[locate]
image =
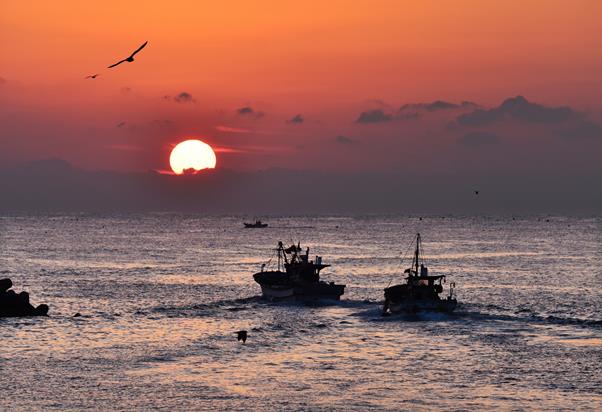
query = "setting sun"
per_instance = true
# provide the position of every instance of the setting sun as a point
(192, 154)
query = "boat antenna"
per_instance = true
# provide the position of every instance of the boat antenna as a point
(403, 255)
(417, 251)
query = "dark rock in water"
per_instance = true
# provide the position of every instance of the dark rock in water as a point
(77, 315)
(16, 305)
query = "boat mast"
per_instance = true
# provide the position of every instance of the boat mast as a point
(417, 252)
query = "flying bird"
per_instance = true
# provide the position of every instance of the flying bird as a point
(93, 76)
(476, 192)
(241, 335)
(129, 59)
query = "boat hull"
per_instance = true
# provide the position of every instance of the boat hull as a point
(278, 286)
(411, 306)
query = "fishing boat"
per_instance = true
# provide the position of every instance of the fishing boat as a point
(420, 291)
(257, 224)
(296, 277)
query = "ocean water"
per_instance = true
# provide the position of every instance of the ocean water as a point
(161, 295)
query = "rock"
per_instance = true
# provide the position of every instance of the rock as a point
(16, 305)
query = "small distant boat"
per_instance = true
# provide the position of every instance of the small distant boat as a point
(257, 224)
(420, 292)
(296, 277)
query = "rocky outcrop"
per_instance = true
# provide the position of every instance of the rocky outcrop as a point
(14, 304)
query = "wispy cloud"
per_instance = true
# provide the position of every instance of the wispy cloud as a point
(218, 149)
(374, 116)
(249, 112)
(228, 129)
(344, 140)
(438, 105)
(182, 97)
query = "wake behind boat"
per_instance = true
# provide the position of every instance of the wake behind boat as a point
(296, 277)
(420, 292)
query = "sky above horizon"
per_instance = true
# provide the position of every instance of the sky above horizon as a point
(338, 85)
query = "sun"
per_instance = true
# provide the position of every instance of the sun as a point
(191, 155)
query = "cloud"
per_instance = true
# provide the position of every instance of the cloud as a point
(229, 129)
(184, 97)
(344, 140)
(374, 116)
(298, 119)
(437, 105)
(583, 130)
(410, 111)
(478, 139)
(517, 108)
(249, 111)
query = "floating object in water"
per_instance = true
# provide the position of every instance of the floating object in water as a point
(17, 305)
(241, 335)
(420, 292)
(296, 277)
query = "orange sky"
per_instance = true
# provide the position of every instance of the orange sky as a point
(322, 59)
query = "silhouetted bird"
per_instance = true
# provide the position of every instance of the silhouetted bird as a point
(241, 335)
(129, 59)
(93, 76)
(476, 192)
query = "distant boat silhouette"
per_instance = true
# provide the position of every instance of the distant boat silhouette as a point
(130, 58)
(93, 76)
(256, 225)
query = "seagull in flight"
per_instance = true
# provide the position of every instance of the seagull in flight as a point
(129, 59)
(93, 76)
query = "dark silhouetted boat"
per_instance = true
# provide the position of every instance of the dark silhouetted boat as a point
(420, 292)
(256, 225)
(296, 277)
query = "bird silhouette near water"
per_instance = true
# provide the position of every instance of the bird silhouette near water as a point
(241, 335)
(130, 58)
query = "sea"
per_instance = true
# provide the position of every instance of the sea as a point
(144, 310)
